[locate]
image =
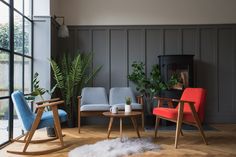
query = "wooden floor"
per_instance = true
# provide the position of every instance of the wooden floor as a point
(222, 142)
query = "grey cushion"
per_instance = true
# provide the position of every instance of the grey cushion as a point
(95, 107)
(94, 95)
(135, 106)
(117, 95)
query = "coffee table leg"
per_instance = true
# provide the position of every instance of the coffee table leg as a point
(135, 125)
(109, 127)
(121, 129)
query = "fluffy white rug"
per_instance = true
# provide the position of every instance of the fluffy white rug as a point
(115, 148)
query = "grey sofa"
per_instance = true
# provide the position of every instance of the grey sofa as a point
(93, 101)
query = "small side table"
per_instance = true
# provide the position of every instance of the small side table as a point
(121, 114)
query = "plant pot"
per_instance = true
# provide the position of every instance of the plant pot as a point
(149, 105)
(70, 123)
(51, 132)
(128, 108)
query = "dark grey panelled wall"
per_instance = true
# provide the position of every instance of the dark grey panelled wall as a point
(116, 47)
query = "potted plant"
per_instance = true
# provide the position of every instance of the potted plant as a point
(128, 107)
(149, 86)
(39, 91)
(71, 75)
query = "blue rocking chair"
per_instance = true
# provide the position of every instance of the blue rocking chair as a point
(31, 121)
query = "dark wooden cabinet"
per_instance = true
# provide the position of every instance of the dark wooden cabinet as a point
(180, 65)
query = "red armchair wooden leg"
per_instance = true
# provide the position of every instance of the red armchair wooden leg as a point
(198, 122)
(157, 125)
(179, 123)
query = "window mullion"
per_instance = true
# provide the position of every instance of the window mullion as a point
(11, 110)
(23, 64)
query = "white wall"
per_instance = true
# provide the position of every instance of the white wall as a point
(147, 12)
(42, 42)
(41, 7)
(42, 50)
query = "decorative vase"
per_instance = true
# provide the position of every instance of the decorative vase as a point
(128, 108)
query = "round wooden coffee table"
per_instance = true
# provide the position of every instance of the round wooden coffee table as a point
(121, 114)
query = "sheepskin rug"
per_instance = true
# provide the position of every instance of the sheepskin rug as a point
(115, 148)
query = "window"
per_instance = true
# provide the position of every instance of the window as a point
(15, 61)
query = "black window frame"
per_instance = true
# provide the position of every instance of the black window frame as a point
(11, 54)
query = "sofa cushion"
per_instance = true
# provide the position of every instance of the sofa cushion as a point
(95, 107)
(135, 106)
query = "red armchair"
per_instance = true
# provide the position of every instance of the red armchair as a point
(190, 110)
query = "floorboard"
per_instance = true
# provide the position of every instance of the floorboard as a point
(222, 142)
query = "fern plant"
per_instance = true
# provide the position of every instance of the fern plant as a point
(71, 75)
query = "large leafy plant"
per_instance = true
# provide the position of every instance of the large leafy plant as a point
(152, 85)
(71, 75)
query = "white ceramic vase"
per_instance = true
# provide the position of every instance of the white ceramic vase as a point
(128, 108)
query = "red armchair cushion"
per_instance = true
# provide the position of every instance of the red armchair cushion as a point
(172, 113)
(197, 95)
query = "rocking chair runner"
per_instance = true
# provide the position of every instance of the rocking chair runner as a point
(32, 122)
(190, 111)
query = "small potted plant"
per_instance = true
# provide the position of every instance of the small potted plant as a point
(128, 107)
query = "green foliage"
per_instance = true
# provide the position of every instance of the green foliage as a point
(72, 75)
(152, 85)
(128, 100)
(4, 36)
(18, 38)
(38, 91)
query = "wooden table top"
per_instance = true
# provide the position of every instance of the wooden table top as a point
(122, 114)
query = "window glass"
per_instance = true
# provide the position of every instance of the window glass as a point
(27, 75)
(18, 33)
(4, 120)
(17, 127)
(28, 37)
(18, 5)
(18, 72)
(4, 73)
(27, 8)
(4, 26)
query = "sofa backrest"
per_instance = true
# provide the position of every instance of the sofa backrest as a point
(94, 95)
(118, 94)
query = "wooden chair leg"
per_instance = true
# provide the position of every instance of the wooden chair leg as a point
(26, 136)
(143, 120)
(79, 119)
(33, 128)
(181, 132)
(55, 131)
(121, 130)
(157, 125)
(57, 124)
(179, 123)
(198, 122)
(135, 125)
